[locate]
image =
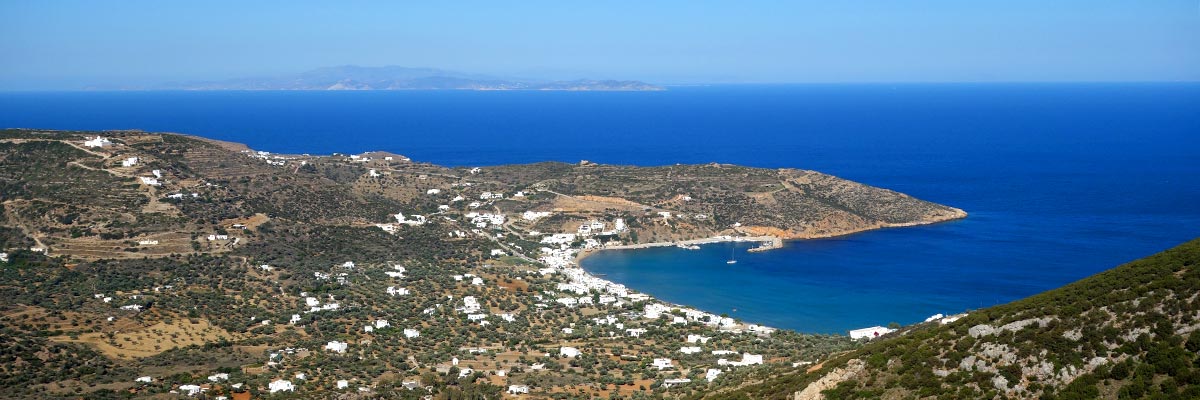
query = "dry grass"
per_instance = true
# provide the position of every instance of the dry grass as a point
(150, 340)
(594, 204)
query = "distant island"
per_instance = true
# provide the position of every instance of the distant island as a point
(351, 77)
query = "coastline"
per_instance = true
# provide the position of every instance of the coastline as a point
(768, 242)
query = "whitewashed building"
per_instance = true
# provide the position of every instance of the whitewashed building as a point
(281, 385)
(870, 333)
(336, 346)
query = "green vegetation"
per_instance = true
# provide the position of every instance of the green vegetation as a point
(1130, 332)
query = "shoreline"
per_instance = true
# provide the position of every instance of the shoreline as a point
(769, 242)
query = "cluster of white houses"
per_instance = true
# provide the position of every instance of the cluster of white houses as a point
(270, 159)
(98, 141)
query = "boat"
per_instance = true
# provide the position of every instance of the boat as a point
(732, 260)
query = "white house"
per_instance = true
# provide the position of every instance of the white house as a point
(711, 374)
(689, 349)
(433, 191)
(342, 384)
(518, 389)
(281, 385)
(569, 351)
(411, 333)
(677, 381)
(870, 333)
(534, 215)
(336, 346)
(470, 305)
(416, 219)
(150, 181)
(129, 162)
(190, 390)
(559, 238)
(697, 338)
(144, 379)
(98, 141)
(662, 363)
(747, 359)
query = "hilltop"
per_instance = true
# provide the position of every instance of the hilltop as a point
(147, 263)
(1129, 332)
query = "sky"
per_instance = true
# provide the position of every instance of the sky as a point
(72, 44)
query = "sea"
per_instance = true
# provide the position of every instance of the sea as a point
(1061, 180)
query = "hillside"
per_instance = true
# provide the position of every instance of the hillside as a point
(144, 264)
(1129, 332)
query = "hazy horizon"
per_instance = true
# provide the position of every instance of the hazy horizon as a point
(75, 45)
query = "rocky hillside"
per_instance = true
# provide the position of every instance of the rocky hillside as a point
(81, 201)
(1130, 332)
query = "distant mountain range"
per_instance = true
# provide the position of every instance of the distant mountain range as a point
(351, 77)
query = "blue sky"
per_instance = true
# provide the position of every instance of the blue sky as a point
(65, 44)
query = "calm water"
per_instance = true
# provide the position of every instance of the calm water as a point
(1061, 181)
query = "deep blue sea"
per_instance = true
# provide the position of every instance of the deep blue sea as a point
(1061, 180)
